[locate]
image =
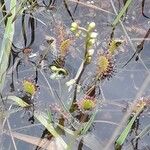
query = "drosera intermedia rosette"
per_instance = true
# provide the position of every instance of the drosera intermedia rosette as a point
(86, 104)
(61, 48)
(29, 87)
(105, 66)
(85, 108)
(106, 60)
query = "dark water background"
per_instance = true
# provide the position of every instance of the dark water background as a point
(121, 89)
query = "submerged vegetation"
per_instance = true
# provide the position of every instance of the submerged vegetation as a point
(68, 79)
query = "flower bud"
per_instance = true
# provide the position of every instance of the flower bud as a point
(78, 33)
(93, 35)
(53, 68)
(90, 52)
(74, 27)
(91, 41)
(91, 26)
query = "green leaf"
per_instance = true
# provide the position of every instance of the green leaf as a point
(137, 109)
(43, 119)
(66, 129)
(49, 115)
(121, 13)
(119, 142)
(89, 123)
(18, 100)
(6, 44)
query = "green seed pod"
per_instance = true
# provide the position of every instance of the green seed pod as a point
(88, 59)
(78, 33)
(90, 43)
(91, 26)
(74, 27)
(73, 30)
(89, 55)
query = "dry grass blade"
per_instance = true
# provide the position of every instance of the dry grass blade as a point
(12, 138)
(18, 100)
(91, 6)
(144, 132)
(44, 143)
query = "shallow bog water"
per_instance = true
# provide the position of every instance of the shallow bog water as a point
(113, 95)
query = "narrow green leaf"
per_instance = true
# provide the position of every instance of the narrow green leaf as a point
(124, 134)
(6, 44)
(41, 117)
(18, 100)
(138, 108)
(49, 115)
(121, 13)
(89, 123)
(66, 129)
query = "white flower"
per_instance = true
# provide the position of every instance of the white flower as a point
(93, 35)
(71, 82)
(90, 52)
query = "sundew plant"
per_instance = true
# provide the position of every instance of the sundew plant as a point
(74, 75)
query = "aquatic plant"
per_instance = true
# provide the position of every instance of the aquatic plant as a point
(29, 87)
(86, 104)
(7, 43)
(81, 109)
(90, 39)
(137, 109)
(105, 66)
(113, 46)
